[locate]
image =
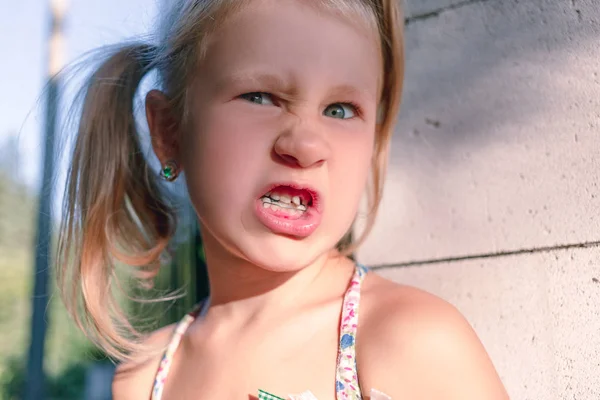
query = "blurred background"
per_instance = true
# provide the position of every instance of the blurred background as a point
(492, 199)
(37, 37)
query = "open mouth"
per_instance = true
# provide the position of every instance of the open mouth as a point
(288, 201)
(290, 210)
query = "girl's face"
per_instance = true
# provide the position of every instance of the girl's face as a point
(283, 120)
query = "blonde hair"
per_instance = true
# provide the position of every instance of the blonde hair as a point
(114, 211)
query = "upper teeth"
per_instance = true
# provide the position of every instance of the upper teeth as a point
(292, 202)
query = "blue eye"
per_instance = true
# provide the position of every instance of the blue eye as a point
(341, 111)
(258, 98)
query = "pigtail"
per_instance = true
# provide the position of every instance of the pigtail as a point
(113, 212)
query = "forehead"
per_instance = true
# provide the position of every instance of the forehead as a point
(295, 38)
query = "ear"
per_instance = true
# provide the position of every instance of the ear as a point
(164, 127)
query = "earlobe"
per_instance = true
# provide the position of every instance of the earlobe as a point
(163, 126)
(170, 171)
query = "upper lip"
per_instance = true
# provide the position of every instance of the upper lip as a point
(314, 193)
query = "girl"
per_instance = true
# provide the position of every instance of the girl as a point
(278, 111)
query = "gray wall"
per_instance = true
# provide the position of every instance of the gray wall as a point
(493, 194)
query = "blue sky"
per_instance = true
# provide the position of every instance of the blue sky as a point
(24, 26)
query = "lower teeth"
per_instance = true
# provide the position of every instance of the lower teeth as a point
(287, 210)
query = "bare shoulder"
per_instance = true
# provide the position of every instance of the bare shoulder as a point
(133, 379)
(413, 344)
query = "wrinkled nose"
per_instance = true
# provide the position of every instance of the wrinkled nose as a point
(301, 146)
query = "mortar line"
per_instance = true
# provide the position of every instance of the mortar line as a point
(484, 256)
(436, 13)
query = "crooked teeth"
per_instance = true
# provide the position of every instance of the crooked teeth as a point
(277, 202)
(286, 199)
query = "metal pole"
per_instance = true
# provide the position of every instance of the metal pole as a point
(34, 383)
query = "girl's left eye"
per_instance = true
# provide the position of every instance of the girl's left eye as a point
(259, 98)
(341, 111)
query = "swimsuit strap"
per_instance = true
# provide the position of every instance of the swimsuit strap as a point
(167, 359)
(346, 383)
(346, 380)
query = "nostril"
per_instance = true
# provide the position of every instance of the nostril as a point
(289, 159)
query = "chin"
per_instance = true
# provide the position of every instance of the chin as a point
(283, 254)
(271, 251)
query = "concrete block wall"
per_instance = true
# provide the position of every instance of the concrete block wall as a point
(493, 194)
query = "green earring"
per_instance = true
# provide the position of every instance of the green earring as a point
(169, 172)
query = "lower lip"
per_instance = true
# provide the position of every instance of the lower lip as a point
(280, 223)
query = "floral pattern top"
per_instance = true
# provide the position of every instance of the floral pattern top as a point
(346, 384)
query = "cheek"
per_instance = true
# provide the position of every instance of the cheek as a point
(223, 158)
(350, 172)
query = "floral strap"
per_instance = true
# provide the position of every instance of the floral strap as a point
(346, 383)
(165, 363)
(347, 387)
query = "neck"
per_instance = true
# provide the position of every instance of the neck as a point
(240, 288)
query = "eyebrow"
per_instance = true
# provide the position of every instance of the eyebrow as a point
(350, 91)
(263, 80)
(271, 81)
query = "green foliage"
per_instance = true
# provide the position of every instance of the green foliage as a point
(67, 385)
(65, 348)
(17, 203)
(68, 353)
(12, 380)
(16, 238)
